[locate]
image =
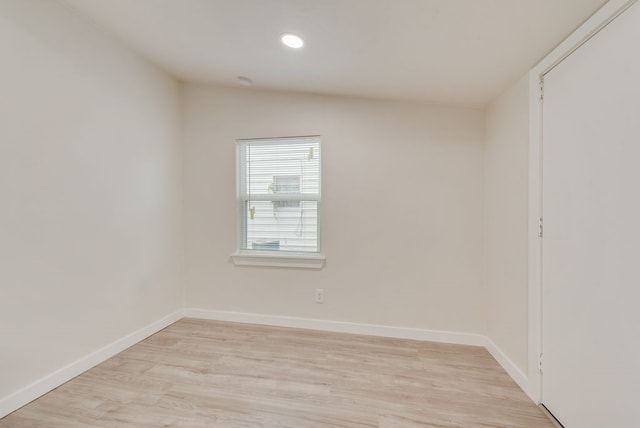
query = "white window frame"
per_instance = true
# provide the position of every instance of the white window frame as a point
(283, 259)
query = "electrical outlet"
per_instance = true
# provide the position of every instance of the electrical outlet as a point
(319, 295)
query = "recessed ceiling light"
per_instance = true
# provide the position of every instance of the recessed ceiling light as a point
(292, 40)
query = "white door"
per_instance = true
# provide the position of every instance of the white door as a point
(591, 242)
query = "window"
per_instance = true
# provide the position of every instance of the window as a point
(279, 201)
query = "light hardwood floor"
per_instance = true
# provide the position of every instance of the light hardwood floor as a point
(199, 373)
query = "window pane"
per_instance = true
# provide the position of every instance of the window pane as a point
(281, 225)
(281, 167)
(279, 193)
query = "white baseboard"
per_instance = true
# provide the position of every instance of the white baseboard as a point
(31, 392)
(509, 366)
(40, 387)
(372, 330)
(340, 327)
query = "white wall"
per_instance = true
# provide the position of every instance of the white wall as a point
(91, 176)
(402, 211)
(507, 160)
(90, 239)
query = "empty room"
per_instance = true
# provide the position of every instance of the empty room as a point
(319, 213)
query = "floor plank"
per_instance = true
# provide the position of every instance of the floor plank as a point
(198, 373)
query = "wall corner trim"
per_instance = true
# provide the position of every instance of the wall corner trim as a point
(339, 326)
(40, 387)
(518, 376)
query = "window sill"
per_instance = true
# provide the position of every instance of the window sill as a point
(277, 259)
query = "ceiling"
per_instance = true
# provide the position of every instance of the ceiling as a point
(462, 52)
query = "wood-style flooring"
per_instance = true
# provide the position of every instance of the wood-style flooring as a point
(199, 373)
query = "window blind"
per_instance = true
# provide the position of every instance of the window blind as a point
(279, 194)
